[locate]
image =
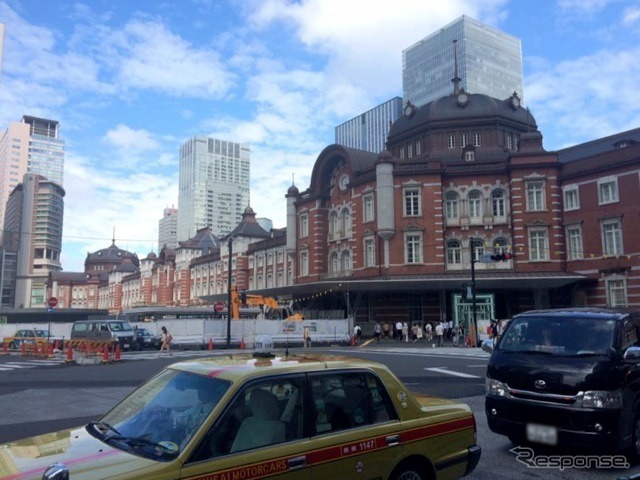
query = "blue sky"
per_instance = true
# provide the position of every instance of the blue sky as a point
(130, 81)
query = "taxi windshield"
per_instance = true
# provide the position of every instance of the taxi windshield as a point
(566, 336)
(159, 418)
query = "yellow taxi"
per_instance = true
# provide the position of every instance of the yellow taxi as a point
(28, 337)
(247, 417)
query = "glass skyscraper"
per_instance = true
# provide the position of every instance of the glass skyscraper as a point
(369, 130)
(213, 186)
(489, 62)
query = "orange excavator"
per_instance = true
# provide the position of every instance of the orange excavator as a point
(271, 308)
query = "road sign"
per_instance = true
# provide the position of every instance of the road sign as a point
(52, 302)
(485, 258)
(219, 307)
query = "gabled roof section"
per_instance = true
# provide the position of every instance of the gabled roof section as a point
(249, 226)
(601, 145)
(204, 240)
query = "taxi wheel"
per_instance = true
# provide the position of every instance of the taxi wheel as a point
(409, 471)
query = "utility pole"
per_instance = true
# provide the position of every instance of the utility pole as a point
(229, 306)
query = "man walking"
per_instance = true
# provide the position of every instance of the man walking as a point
(440, 334)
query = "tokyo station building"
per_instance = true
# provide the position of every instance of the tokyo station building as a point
(405, 234)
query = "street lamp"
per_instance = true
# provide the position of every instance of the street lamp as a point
(230, 244)
(472, 244)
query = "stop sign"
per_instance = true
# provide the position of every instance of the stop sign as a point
(219, 307)
(52, 302)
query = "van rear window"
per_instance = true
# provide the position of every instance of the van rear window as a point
(80, 327)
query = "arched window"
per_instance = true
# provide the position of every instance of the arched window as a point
(498, 203)
(346, 262)
(475, 204)
(500, 246)
(345, 222)
(454, 252)
(334, 227)
(334, 265)
(477, 248)
(451, 205)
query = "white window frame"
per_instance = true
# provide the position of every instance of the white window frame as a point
(345, 262)
(469, 156)
(451, 141)
(539, 244)
(345, 222)
(369, 252)
(401, 152)
(413, 248)
(334, 263)
(368, 210)
(452, 205)
(463, 139)
(498, 203)
(454, 252)
(611, 236)
(575, 248)
(608, 190)
(477, 139)
(474, 204)
(535, 195)
(418, 148)
(410, 150)
(304, 263)
(412, 201)
(304, 225)
(571, 197)
(334, 225)
(616, 287)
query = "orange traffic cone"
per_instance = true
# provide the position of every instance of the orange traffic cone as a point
(44, 350)
(117, 359)
(105, 354)
(5, 348)
(56, 345)
(23, 349)
(242, 345)
(353, 340)
(210, 343)
(69, 358)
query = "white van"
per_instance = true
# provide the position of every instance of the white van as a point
(105, 331)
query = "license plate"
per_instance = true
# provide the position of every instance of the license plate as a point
(542, 434)
(126, 345)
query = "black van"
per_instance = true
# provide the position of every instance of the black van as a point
(568, 377)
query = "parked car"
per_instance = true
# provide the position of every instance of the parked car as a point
(568, 377)
(28, 337)
(253, 417)
(146, 339)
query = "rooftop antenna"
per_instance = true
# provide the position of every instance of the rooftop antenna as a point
(113, 240)
(456, 79)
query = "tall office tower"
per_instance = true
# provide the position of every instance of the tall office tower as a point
(168, 229)
(32, 145)
(489, 62)
(33, 231)
(213, 186)
(369, 130)
(1, 47)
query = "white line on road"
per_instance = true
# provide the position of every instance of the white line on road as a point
(451, 372)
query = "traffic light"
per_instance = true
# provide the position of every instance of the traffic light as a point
(501, 257)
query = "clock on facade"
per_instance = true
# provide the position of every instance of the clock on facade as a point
(343, 182)
(462, 98)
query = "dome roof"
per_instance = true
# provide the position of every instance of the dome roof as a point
(293, 190)
(474, 106)
(112, 254)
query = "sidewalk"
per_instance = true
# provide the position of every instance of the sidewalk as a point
(423, 345)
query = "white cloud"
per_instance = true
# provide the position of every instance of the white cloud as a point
(129, 140)
(631, 16)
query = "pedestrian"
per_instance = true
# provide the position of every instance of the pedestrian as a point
(420, 334)
(307, 337)
(398, 331)
(414, 332)
(428, 330)
(385, 329)
(167, 338)
(405, 332)
(377, 331)
(357, 333)
(440, 334)
(458, 335)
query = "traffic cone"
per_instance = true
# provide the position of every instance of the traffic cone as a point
(210, 343)
(5, 348)
(105, 354)
(242, 345)
(23, 349)
(43, 350)
(51, 349)
(117, 359)
(69, 358)
(57, 345)
(353, 340)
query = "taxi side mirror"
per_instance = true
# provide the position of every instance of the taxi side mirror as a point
(632, 353)
(56, 471)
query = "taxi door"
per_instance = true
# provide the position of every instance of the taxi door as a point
(357, 429)
(260, 434)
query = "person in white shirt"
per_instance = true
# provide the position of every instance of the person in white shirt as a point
(440, 334)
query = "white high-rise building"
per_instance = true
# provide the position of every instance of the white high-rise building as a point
(368, 131)
(489, 62)
(213, 187)
(32, 145)
(168, 229)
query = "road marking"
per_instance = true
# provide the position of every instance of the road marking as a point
(451, 372)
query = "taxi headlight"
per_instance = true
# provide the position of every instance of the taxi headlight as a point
(496, 388)
(602, 399)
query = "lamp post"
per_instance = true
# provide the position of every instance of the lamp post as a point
(474, 318)
(230, 244)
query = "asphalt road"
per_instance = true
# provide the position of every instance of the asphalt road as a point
(40, 397)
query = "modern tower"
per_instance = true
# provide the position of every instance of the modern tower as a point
(489, 62)
(369, 130)
(168, 229)
(32, 145)
(213, 186)
(33, 232)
